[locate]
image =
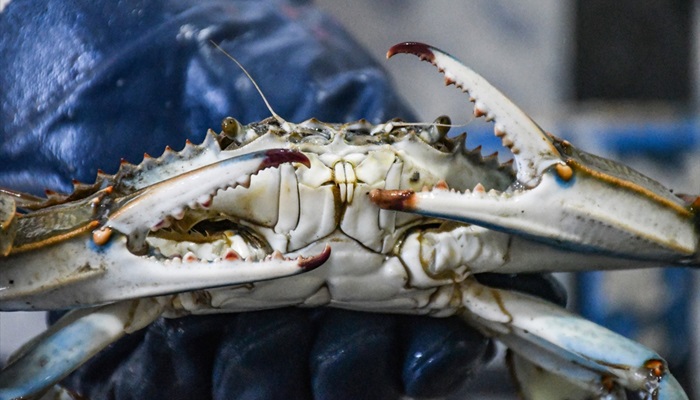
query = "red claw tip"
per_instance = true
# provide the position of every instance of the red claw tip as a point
(309, 263)
(276, 157)
(398, 200)
(422, 50)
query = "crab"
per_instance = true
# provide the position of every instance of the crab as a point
(396, 217)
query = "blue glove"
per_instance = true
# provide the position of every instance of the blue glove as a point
(84, 86)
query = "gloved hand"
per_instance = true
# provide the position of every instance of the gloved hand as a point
(84, 85)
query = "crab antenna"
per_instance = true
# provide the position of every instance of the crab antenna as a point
(279, 119)
(429, 124)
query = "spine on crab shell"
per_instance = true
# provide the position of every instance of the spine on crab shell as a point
(490, 162)
(459, 144)
(132, 177)
(151, 170)
(491, 170)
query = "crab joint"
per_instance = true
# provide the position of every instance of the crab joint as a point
(608, 383)
(397, 200)
(656, 367)
(564, 171)
(101, 236)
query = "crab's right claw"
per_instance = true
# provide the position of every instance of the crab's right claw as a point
(562, 196)
(92, 265)
(151, 206)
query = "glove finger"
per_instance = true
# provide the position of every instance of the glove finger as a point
(171, 359)
(355, 357)
(174, 361)
(93, 379)
(441, 354)
(265, 356)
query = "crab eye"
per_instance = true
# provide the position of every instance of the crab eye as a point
(230, 127)
(437, 131)
(315, 132)
(317, 137)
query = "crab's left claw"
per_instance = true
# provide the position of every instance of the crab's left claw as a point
(562, 196)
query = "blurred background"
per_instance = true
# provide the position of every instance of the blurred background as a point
(619, 79)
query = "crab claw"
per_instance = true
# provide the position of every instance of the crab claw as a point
(111, 273)
(561, 196)
(92, 264)
(532, 148)
(149, 207)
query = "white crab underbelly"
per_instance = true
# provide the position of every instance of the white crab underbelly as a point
(353, 278)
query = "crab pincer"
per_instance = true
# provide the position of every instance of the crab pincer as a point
(556, 186)
(149, 208)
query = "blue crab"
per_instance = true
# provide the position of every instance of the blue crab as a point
(395, 217)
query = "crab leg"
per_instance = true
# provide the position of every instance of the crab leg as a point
(562, 196)
(589, 356)
(69, 343)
